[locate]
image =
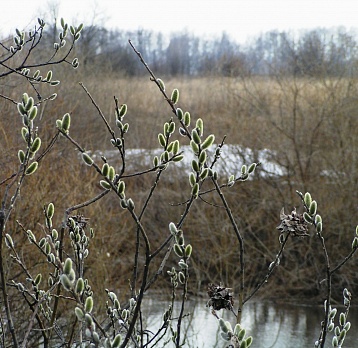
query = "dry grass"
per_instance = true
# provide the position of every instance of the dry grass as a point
(312, 125)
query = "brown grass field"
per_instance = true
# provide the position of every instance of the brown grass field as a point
(311, 127)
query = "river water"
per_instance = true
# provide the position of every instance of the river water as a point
(271, 325)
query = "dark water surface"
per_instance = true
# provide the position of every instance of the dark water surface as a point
(271, 325)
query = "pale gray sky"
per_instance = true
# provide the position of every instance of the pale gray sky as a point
(241, 19)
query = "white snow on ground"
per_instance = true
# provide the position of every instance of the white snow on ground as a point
(230, 162)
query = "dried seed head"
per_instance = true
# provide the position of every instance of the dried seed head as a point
(294, 223)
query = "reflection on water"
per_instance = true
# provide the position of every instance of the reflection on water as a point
(271, 325)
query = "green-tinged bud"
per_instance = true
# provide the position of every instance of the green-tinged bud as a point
(116, 304)
(80, 27)
(79, 314)
(252, 168)
(237, 329)
(313, 208)
(208, 142)
(31, 168)
(188, 250)
(241, 334)
(332, 313)
(215, 175)
(178, 158)
(175, 96)
(65, 281)
(38, 279)
(195, 190)
(335, 341)
(187, 119)
(62, 23)
(8, 240)
(173, 229)
(25, 98)
(202, 157)
(49, 76)
(117, 341)
(161, 139)
(123, 110)
(125, 313)
(179, 113)
(80, 286)
(223, 326)
(121, 187)
(155, 161)
(77, 36)
(178, 250)
(204, 173)
(54, 83)
(54, 234)
(21, 156)
(67, 267)
(330, 327)
(194, 146)
(33, 113)
(307, 217)
(59, 124)
(87, 159)
(181, 277)
(31, 236)
(88, 319)
(170, 146)
(195, 136)
(199, 126)
(96, 338)
(164, 156)
(337, 331)
(130, 203)
(357, 230)
(42, 242)
(195, 166)
(171, 127)
(125, 128)
(192, 179)
(342, 336)
(36, 74)
(355, 243)
(104, 184)
(347, 326)
(25, 134)
(66, 122)
(123, 203)
(243, 169)
(72, 275)
(21, 109)
(319, 227)
(35, 146)
(105, 169)
(75, 62)
(248, 341)
(29, 104)
(308, 199)
(50, 210)
(161, 84)
(89, 304)
(318, 219)
(243, 344)
(179, 238)
(72, 30)
(342, 319)
(176, 147)
(166, 128)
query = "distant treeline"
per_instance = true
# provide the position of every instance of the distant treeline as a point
(319, 52)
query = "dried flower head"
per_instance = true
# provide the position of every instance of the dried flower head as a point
(294, 223)
(220, 297)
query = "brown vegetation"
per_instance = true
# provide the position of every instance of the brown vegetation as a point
(309, 125)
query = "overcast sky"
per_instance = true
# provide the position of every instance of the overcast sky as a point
(241, 19)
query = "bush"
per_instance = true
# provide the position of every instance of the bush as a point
(51, 285)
